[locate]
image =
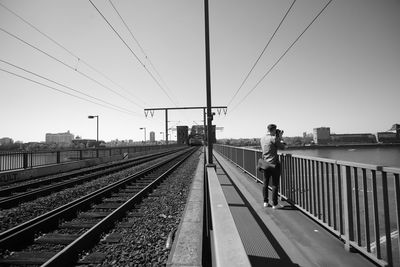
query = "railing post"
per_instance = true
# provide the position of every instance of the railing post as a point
(58, 157)
(282, 180)
(348, 208)
(287, 174)
(25, 160)
(80, 154)
(386, 213)
(255, 165)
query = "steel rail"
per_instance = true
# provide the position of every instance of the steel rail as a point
(23, 234)
(70, 254)
(19, 188)
(59, 184)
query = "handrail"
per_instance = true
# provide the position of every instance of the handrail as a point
(19, 160)
(359, 203)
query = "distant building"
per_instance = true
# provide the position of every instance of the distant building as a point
(60, 138)
(197, 130)
(322, 135)
(390, 136)
(6, 141)
(182, 134)
(85, 143)
(396, 128)
(152, 136)
(353, 138)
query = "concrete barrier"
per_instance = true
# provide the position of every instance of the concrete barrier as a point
(187, 247)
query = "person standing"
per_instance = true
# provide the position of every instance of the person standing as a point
(270, 143)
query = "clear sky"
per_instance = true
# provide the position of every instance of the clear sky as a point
(343, 72)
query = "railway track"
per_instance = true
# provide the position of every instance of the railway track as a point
(14, 195)
(61, 236)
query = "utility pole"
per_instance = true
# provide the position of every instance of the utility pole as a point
(208, 84)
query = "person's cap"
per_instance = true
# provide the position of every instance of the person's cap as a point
(271, 127)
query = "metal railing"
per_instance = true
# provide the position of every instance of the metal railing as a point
(25, 160)
(359, 203)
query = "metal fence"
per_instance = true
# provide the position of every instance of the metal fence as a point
(25, 160)
(359, 203)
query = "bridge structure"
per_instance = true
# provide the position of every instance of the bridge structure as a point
(204, 108)
(331, 213)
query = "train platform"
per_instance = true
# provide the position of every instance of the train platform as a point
(278, 237)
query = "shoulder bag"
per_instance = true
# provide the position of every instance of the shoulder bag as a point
(262, 165)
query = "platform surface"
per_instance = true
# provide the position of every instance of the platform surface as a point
(283, 236)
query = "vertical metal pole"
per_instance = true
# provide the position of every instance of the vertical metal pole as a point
(25, 160)
(166, 126)
(385, 194)
(97, 130)
(348, 208)
(208, 85)
(205, 124)
(97, 148)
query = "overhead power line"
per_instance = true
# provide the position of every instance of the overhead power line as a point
(66, 65)
(68, 87)
(144, 53)
(70, 52)
(140, 46)
(133, 53)
(58, 90)
(280, 58)
(262, 52)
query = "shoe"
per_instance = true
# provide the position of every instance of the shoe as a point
(275, 207)
(265, 204)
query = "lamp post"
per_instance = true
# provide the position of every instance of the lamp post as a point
(97, 117)
(144, 128)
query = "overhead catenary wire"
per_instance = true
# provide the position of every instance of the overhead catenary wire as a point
(133, 53)
(142, 50)
(61, 91)
(65, 64)
(71, 53)
(262, 52)
(280, 58)
(139, 45)
(67, 87)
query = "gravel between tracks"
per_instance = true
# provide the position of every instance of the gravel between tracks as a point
(144, 244)
(51, 176)
(29, 210)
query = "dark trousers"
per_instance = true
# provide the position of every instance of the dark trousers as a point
(275, 173)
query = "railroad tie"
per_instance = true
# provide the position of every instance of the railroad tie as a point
(93, 215)
(63, 239)
(27, 258)
(93, 258)
(78, 225)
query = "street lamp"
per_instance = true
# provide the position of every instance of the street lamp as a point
(97, 117)
(144, 128)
